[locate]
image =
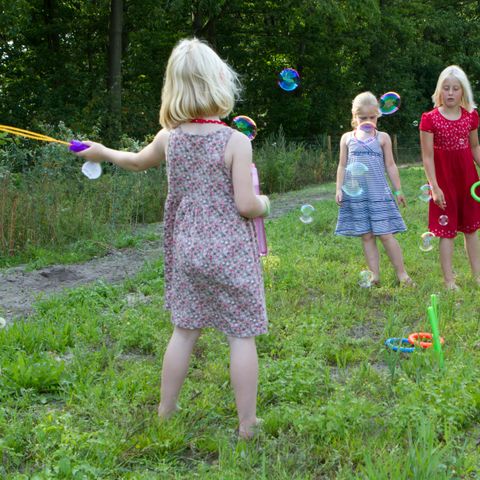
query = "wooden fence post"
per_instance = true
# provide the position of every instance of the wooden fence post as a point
(395, 147)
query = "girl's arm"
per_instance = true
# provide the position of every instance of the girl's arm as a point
(391, 167)
(342, 163)
(150, 156)
(426, 142)
(248, 204)
(474, 145)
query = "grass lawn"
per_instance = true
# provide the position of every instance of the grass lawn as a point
(79, 380)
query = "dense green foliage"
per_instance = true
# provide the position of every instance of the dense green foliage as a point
(79, 380)
(53, 58)
(50, 204)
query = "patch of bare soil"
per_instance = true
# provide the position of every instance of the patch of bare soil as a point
(20, 288)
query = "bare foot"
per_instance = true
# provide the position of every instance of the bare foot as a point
(247, 432)
(452, 286)
(166, 413)
(406, 282)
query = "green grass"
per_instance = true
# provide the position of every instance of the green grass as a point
(79, 381)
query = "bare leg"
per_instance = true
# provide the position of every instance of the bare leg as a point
(394, 252)
(472, 246)
(370, 251)
(446, 254)
(175, 367)
(244, 378)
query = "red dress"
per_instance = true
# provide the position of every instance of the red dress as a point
(455, 171)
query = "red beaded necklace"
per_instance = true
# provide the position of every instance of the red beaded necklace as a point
(205, 120)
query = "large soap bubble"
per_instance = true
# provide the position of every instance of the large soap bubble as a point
(389, 103)
(245, 125)
(288, 79)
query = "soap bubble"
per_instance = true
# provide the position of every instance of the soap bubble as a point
(415, 123)
(92, 170)
(288, 79)
(306, 211)
(426, 241)
(352, 188)
(443, 220)
(3, 322)
(357, 169)
(306, 219)
(389, 103)
(366, 279)
(426, 193)
(245, 125)
(388, 194)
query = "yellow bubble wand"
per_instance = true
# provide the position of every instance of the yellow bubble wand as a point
(74, 145)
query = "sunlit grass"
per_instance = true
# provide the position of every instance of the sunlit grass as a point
(79, 380)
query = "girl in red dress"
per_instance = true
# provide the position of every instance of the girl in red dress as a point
(450, 149)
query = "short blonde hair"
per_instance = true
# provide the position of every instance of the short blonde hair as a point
(362, 100)
(198, 83)
(456, 72)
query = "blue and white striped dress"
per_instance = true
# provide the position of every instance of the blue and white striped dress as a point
(368, 204)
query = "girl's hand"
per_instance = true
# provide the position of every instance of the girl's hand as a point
(401, 200)
(438, 198)
(266, 203)
(338, 198)
(94, 153)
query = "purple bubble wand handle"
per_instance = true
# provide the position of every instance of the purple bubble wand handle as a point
(77, 146)
(258, 222)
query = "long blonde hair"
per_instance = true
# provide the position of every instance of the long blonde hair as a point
(198, 83)
(364, 99)
(456, 72)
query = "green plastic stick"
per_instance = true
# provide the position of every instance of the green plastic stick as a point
(437, 346)
(434, 302)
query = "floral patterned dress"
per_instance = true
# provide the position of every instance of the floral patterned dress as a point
(213, 275)
(455, 171)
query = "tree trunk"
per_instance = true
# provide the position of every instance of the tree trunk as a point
(115, 70)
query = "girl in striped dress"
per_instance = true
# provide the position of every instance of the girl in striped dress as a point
(367, 205)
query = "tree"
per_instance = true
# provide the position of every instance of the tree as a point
(114, 83)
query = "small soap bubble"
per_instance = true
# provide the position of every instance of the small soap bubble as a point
(357, 169)
(366, 279)
(306, 219)
(288, 79)
(307, 209)
(352, 188)
(245, 125)
(426, 193)
(389, 103)
(92, 170)
(3, 322)
(415, 123)
(426, 241)
(443, 220)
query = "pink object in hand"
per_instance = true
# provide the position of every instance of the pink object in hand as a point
(258, 222)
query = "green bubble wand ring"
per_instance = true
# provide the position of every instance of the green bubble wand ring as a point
(473, 192)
